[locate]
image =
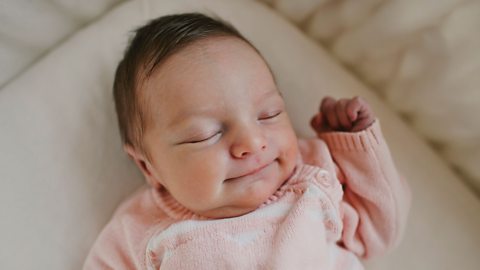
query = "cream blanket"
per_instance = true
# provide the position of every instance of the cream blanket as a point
(422, 57)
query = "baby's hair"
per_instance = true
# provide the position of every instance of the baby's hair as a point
(151, 45)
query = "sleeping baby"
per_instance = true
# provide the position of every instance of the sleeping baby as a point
(230, 186)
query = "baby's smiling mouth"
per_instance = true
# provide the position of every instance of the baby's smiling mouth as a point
(251, 173)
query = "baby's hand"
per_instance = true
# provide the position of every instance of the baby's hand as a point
(342, 115)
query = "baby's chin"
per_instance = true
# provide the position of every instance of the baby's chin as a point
(236, 208)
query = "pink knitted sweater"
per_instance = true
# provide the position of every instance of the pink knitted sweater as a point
(345, 201)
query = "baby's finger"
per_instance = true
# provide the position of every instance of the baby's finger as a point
(318, 123)
(328, 110)
(342, 116)
(315, 121)
(353, 108)
(362, 123)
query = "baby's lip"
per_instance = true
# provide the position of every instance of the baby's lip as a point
(250, 172)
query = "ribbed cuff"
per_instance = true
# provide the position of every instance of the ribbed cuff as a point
(368, 138)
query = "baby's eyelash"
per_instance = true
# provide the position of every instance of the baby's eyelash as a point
(271, 116)
(203, 140)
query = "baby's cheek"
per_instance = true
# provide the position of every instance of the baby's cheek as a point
(292, 143)
(289, 147)
(204, 177)
(197, 193)
(292, 156)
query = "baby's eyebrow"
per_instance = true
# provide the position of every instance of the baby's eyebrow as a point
(273, 91)
(181, 117)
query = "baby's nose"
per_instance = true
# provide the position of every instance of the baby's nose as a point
(248, 142)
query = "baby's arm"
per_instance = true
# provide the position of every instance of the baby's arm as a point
(376, 198)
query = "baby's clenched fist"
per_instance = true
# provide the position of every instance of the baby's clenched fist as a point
(345, 114)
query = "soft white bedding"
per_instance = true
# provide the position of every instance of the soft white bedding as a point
(63, 172)
(422, 57)
(30, 28)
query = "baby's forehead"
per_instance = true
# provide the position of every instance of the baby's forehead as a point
(213, 48)
(202, 73)
(197, 58)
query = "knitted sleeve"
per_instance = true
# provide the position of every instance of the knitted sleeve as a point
(376, 198)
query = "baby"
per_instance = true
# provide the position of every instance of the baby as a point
(230, 185)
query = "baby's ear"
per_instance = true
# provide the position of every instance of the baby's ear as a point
(131, 152)
(143, 164)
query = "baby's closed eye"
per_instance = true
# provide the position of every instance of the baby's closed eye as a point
(202, 137)
(270, 115)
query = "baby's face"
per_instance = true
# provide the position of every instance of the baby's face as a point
(220, 139)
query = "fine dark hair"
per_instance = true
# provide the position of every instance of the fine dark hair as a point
(151, 45)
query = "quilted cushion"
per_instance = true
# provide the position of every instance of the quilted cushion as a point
(420, 56)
